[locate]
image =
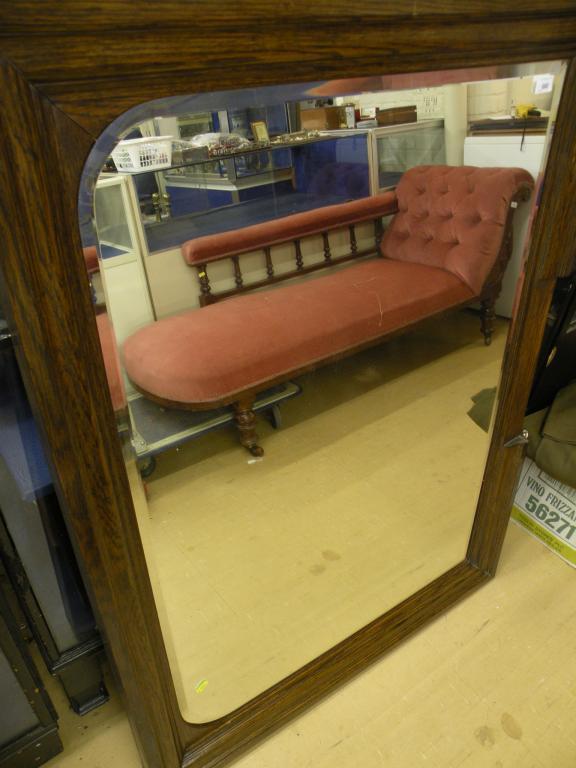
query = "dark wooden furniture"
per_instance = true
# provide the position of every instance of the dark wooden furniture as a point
(36, 552)
(557, 359)
(59, 619)
(28, 721)
(66, 74)
(447, 246)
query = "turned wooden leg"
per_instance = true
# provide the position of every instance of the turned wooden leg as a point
(246, 422)
(487, 315)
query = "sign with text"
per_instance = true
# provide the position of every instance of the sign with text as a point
(547, 509)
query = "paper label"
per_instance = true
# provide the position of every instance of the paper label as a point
(547, 509)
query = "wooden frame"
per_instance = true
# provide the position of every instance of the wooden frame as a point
(208, 296)
(65, 74)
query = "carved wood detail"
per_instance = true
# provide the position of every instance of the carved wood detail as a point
(269, 264)
(378, 234)
(209, 296)
(237, 272)
(353, 243)
(299, 258)
(205, 287)
(494, 281)
(246, 422)
(326, 248)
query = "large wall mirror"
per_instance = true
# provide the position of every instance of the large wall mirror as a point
(324, 274)
(277, 294)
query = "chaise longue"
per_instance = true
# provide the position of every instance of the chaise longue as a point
(446, 246)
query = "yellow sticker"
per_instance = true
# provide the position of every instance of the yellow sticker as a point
(200, 686)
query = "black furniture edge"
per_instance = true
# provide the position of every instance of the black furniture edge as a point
(35, 748)
(77, 668)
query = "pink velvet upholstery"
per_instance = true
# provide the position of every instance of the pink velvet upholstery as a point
(453, 218)
(439, 251)
(209, 354)
(111, 362)
(202, 250)
(107, 341)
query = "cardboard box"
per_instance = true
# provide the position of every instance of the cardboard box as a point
(397, 115)
(546, 508)
(322, 118)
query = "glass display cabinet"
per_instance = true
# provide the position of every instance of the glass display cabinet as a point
(28, 721)
(36, 552)
(398, 148)
(195, 188)
(143, 273)
(256, 185)
(121, 244)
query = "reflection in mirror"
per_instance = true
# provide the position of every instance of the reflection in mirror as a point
(301, 292)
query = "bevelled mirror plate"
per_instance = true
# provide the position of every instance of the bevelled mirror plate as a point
(303, 295)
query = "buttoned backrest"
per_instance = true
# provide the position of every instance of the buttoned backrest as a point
(453, 218)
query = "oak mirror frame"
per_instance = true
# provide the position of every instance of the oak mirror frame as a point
(66, 74)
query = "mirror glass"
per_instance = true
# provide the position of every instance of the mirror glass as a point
(303, 295)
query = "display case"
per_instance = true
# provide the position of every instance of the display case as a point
(205, 186)
(121, 243)
(199, 187)
(258, 184)
(395, 149)
(143, 270)
(28, 721)
(36, 553)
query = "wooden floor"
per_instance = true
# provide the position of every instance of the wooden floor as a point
(488, 685)
(364, 496)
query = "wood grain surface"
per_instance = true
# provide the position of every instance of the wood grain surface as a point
(551, 249)
(59, 355)
(69, 69)
(131, 51)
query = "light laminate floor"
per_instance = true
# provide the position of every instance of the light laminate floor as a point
(364, 496)
(490, 684)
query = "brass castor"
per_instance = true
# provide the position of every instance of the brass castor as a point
(256, 450)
